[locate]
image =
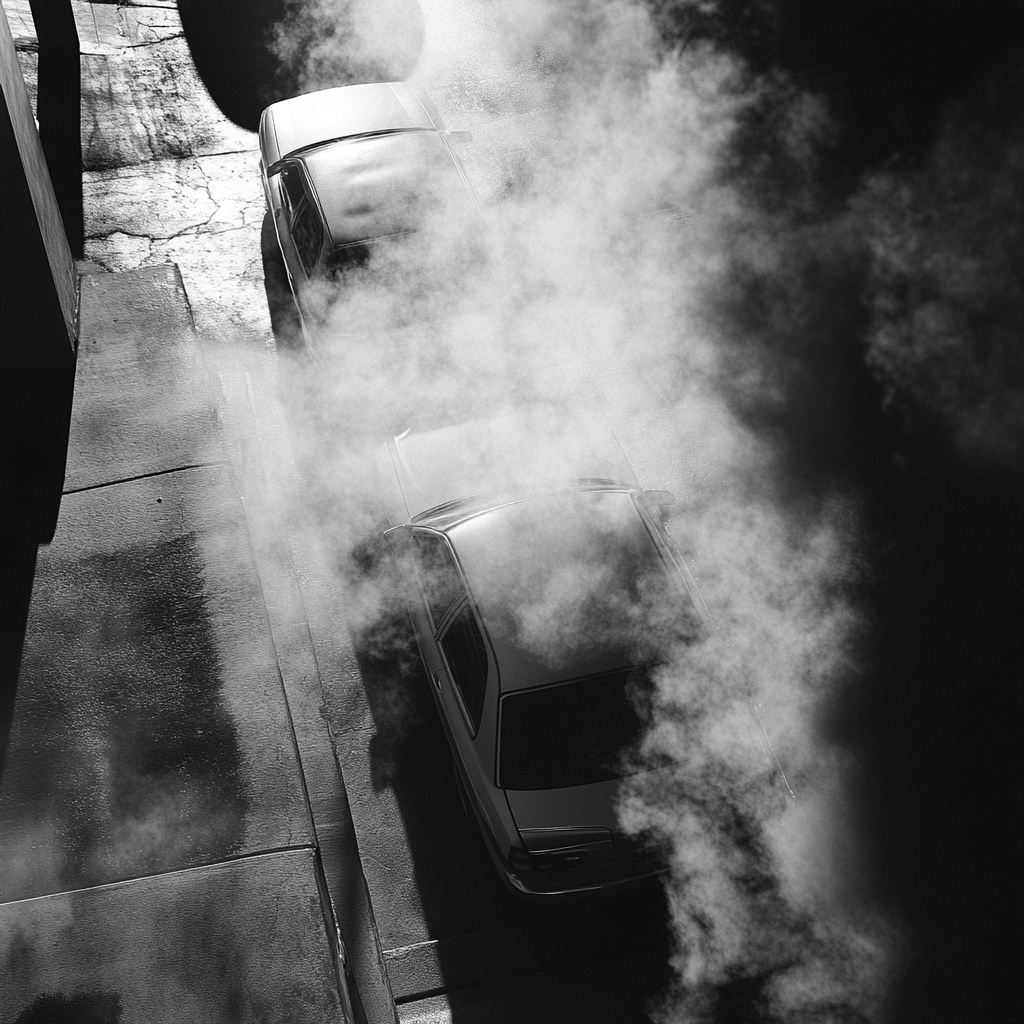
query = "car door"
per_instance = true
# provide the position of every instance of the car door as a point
(452, 644)
(439, 588)
(300, 229)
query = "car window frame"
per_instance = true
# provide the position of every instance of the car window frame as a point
(459, 608)
(289, 168)
(462, 602)
(307, 209)
(436, 536)
(302, 209)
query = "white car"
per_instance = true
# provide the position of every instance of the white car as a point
(344, 169)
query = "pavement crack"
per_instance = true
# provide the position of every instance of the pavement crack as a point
(153, 42)
(105, 236)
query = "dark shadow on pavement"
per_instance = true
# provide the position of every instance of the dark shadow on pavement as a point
(88, 1008)
(58, 111)
(230, 44)
(17, 571)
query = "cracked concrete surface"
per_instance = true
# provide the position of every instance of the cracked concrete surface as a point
(168, 179)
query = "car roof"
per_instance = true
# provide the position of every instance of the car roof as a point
(291, 125)
(508, 454)
(553, 578)
(381, 185)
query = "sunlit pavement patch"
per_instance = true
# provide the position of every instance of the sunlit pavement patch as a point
(245, 940)
(201, 214)
(168, 179)
(141, 400)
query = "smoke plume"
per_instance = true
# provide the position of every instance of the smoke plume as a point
(627, 262)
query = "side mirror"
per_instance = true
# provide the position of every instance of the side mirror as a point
(459, 138)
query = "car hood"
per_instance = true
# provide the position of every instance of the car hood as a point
(506, 455)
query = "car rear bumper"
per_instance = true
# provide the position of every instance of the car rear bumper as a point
(555, 886)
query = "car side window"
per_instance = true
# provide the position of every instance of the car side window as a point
(464, 649)
(438, 574)
(307, 235)
(291, 184)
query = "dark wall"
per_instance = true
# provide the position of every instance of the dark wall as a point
(58, 110)
(39, 318)
(39, 309)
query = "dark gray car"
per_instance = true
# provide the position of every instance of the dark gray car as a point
(537, 585)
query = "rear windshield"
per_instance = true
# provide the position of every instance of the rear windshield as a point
(574, 733)
(384, 184)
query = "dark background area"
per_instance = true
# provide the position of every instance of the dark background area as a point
(934, 714)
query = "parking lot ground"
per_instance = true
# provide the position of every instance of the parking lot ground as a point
(191, 685)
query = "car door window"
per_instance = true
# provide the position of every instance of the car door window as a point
(463, 647)
(291, 185)
(438, 574)
(307, 235)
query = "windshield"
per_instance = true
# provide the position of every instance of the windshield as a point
(573, 733)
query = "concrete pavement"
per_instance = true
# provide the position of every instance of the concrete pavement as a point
(169, 721)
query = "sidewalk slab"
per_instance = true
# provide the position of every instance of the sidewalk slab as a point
(246, 385)
(151, 730)
(241, 941)
(142, 404)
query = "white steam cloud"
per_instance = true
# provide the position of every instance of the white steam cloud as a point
(589, 285)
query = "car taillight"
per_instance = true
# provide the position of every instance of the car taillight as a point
(523, 861)
(520, 860)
